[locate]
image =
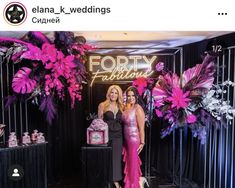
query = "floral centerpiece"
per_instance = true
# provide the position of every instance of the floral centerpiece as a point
(47, 69)
(190, 99)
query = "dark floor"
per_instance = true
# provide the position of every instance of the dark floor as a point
(154, 182)
(72, 183)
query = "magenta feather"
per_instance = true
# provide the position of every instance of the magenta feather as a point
(40, 36)
(48, 107)
(201, 76)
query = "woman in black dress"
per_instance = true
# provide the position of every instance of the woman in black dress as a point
(111, 112)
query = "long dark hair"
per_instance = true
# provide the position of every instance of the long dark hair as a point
(138, 98)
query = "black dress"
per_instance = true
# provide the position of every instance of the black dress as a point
(115, 136)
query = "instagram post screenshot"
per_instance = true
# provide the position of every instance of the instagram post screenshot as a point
(117, 94)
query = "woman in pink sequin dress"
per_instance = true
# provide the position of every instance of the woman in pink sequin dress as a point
(134, 119)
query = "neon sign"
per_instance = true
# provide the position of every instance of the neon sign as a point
(111, 68)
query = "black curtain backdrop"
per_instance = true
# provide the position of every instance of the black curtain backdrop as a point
(65, 138)
(67, 134)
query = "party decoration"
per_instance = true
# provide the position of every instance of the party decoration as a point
(97, 132)
(12, 141)
(141, 83)
(144, 87)
(191, 99)
(47, 69)
(159, 66)
(40, 138)
(26, 139)
(22, 83)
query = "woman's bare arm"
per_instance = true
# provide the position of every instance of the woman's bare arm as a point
(100, 110)
(140, 117)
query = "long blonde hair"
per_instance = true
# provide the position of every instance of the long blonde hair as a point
(119, 100)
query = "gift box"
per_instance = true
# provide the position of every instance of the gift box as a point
(40, 138)
(12, 141)
(26, 138)
(97, 132)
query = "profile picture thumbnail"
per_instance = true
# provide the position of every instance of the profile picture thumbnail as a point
(15, 13)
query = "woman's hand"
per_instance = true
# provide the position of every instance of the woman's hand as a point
(140, 148)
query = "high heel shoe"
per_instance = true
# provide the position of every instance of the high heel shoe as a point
(117, 185)
(143, 181)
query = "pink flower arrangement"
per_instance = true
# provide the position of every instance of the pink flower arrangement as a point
(189, 100)
(178, 98)
(98, 124)
(141, 84)
(52, 68)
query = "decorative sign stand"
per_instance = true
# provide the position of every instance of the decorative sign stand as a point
(111, 68)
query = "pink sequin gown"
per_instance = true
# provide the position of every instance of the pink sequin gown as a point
(131, 158)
